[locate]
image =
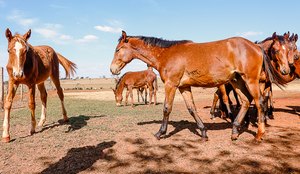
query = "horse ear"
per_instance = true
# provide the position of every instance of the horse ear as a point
(286, 35)
(124, 36)
(113, 90)
(8, 34)
(292, 37)
(274, 36)
(296, 37)
(27, 35)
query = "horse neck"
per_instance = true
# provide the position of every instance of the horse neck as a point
(149, 54)
(266, 45)
(120, 87)
(297, 68)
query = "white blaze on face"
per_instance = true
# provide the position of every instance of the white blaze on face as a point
(283, 47)
(18, 47)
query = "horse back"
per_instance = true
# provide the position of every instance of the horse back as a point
(47, 62)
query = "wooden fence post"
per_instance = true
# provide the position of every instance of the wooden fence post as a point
(1, 89)
(21, 90)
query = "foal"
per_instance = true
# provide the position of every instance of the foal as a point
(32, 65)
(132, 80)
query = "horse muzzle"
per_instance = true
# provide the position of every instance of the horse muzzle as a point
(114, 69)
(285, 71)
(18, 74)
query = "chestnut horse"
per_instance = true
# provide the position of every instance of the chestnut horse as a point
(271, 49)
(136, 80)
(32, 65)
(183, 64)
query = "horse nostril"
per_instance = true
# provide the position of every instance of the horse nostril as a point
(21, 74)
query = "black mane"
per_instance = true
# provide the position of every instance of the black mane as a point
(280, 38)
(158, 41)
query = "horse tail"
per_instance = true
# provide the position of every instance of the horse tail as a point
(68, 65)
(272, 74)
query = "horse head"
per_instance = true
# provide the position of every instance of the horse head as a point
(280, 52)
(17, 50)
(293, 47)
(124, 54)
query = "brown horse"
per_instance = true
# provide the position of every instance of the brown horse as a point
(183, 64)
(268, 45)
(32, 65)
(136, 80)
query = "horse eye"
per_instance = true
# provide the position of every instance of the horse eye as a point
(8, 50)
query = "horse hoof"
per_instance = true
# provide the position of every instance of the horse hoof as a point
(234, 137)
(6, 139)
(66, 120)
(31, 132)
(204, 139)
(41, 124)
(157, 136)
(257, 140)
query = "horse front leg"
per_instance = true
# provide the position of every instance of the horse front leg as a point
(271, 108)
(131, 95)
(213, 105)
(151, 92)
(189, 101)
(43, 93)
(168, 104)
(126, 97)
(31, 105)
(12, 88)
(259, 103)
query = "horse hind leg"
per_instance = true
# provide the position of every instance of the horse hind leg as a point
(43, 93)
(189, 101)
(242, 91)
(60, 93)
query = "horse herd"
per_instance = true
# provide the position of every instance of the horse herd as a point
(237, 64)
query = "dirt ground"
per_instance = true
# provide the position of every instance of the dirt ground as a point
(133, 149)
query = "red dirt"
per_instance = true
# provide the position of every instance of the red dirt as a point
(135, 150)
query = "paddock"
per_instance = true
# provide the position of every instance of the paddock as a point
(103, 138)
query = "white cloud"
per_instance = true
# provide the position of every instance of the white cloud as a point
(87, 38)
(250, 33)
(46, 33)
(19, 18)
(65, 37)
(108, 29)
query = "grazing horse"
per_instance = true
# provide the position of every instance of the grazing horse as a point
(32, 65)
(132, 80)
(269, 46)
(183, 64)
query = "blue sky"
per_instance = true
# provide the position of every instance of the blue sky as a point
(87, 31)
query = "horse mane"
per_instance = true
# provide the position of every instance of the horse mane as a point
(272, 74)
(280, 38)
(154, 41)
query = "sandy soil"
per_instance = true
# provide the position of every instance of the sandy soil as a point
(135, 150)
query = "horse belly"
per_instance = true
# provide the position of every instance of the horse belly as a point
(196, 79)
